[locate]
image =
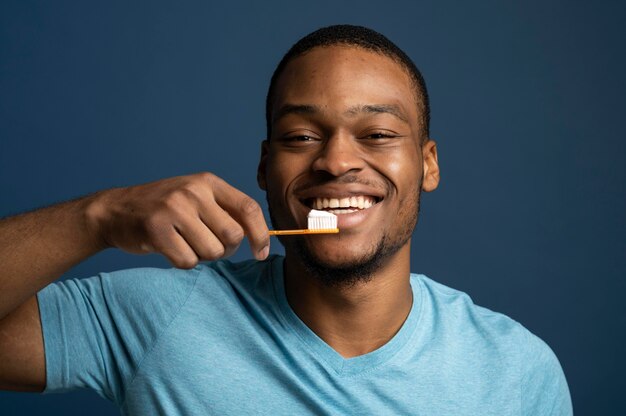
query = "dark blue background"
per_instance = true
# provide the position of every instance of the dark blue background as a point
(527, 107)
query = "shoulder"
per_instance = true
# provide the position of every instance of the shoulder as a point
(249, 279)
(247, 269)
(137, 285)
(147, 285)
(456, 309)
(544, 388)
(138, 282)
(146, 294)
(499, 345)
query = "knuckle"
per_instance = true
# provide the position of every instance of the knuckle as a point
(205, 180)
(205, 176)
(185, 262)
(173, 200)
(219, 252)
(193, 191)
(249, 206)
(159, 242)
(214, 252)
(192, 188)
(154, 225)
(232, 235)
(231, 249)
(179, 201)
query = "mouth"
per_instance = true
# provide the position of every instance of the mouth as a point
(343, 205)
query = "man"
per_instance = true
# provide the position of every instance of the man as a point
(337, 326)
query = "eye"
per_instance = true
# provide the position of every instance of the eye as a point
(379, 135)
(299, 139)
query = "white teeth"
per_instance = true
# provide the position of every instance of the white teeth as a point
(343, 211)
(349, 204)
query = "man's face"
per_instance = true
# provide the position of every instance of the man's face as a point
(345, 138)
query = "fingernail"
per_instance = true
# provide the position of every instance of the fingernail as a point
(264, 252)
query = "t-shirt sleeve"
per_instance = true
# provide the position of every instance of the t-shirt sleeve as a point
(97, 330)
(544, 387)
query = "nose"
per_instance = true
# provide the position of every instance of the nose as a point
(338, 155)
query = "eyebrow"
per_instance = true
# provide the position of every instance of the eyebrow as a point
(392, 109)
(295, 109)
(307, 109)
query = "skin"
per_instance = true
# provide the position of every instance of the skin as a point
(346, 122)
(201, 217)
(186, 219)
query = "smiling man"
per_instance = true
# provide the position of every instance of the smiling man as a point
(347, 133)
(337, 326)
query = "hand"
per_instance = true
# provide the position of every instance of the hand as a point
(186, 218)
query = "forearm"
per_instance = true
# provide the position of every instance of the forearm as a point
(37, 247)
(186, 218)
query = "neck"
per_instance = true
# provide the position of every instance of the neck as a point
(358, 318)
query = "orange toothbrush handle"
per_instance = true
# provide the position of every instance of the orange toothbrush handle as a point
(307, 231)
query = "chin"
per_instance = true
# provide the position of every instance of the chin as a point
(341, 267)
(341, 256)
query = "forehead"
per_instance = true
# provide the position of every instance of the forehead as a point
(339, 77)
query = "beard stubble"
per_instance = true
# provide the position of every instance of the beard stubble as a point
(361, 269)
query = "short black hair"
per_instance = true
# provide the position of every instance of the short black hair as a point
(359, 36)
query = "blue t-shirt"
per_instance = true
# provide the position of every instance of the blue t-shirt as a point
(221, 339)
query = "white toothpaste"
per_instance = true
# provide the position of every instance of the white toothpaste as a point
(321, 220)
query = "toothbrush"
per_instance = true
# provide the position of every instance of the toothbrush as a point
(319, 222)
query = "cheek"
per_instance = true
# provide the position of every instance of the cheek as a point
(284, 167)
(278, 171)
(403, 168)
(282, 174)
(396, 168)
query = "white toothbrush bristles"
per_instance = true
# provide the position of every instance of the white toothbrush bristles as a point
(321, 220)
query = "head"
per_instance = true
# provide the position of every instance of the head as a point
(353, 36)
(347, 121)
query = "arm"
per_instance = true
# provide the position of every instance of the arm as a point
(544, 387)
(36, 248)
(187, 219)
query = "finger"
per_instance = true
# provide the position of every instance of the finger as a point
(203, 240)
(173, 246)
(228, 231)
(247, 212)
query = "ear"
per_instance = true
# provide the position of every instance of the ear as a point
(260, 173)
(430, 179)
